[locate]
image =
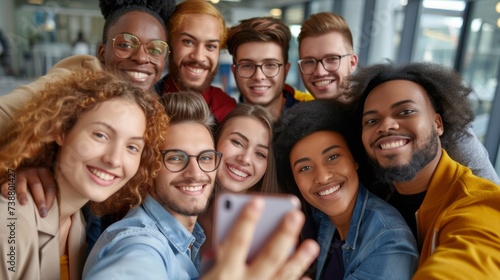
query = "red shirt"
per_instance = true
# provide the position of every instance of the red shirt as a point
(219, 102)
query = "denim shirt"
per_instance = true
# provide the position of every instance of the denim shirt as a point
(148, 243)
(379, 244)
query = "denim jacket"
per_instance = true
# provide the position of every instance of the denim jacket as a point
(148, 243)
(379, 244)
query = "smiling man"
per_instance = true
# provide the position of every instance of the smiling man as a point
(259, 47)
(326, 54)
(450, 210)
(161, 238)
(196, 33)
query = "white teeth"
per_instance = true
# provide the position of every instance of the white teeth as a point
(392, 145)
(238, 172)
(138, 75)
(102, 175)
(322, 83)
(329, 191)
(260, 88)
(196, 70)
(192, 189)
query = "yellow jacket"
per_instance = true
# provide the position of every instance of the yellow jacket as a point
(460, 220)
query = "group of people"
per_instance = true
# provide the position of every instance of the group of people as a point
(110, 134)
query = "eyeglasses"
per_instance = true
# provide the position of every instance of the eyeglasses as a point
(178, 160)
(269, 69)
(126, 45)
(330, 63)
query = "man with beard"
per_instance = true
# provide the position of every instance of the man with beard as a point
(259, 47)
(196, 33)
(327, 59)
(161, 239)
(408, 114)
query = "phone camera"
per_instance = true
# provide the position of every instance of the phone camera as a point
(228, 204)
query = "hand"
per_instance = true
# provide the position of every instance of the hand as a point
(274, 260)
(42, 186)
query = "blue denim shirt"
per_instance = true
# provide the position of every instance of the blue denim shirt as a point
(379, 244)
(148, 243)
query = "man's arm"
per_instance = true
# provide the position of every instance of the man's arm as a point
(467, 245)
(470, 152)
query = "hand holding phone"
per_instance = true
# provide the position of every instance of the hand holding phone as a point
(229, 206)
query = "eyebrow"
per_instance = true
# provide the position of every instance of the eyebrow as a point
(196, 39)
(246, 139)
(265, 60)
(322, 153)
(114, 130)
(392, 106)
(326, 55)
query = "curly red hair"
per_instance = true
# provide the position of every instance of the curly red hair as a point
(30, 141)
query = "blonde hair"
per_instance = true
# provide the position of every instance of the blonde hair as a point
(54, 111)
(322, 23)
(196, 7)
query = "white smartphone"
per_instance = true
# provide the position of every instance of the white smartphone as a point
(229, 206)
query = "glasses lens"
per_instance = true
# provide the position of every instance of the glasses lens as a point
(307, 66)
(208, 161)
(157, 49)
(125, 45)
(270, 69)
(331, 63)
(175, 160)
(246, 70)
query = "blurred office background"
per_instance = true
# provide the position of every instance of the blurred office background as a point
(462, 34)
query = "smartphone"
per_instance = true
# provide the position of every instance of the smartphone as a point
(229, 206)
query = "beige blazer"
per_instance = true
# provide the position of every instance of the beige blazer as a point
(33, 243)
(16, 99)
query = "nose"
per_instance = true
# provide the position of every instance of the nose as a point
(323, 175)
(141, 55)
(320, 69)
(112, 157)
(193, 170)
(244, 158)
(259, 74)
(198, 54)
(387, 124)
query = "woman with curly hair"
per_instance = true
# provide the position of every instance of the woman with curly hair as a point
(101, 137)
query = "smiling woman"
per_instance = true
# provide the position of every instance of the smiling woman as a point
(360, 235)
(100, 136)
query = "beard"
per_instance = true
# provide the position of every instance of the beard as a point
(175, 73)
(406, 172)
(182, 208)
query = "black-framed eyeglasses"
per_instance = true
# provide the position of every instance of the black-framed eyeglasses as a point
(126, 45)
(330, 63)
(178, 160)
(269, 69)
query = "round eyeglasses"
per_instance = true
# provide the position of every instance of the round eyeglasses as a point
(178, 160)
(247, 70)
(126, 45)
(330, 63)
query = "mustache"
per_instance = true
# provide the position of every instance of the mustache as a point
(191, 182)
(197, 64)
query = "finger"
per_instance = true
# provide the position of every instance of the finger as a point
(300, 261)
(4, 189)
(49, 185)
(29, 177)
(234, 250)
(277, 250)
